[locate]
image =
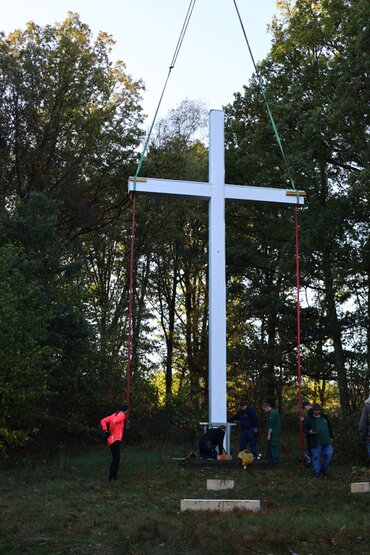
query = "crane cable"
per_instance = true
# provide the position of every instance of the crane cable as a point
(274, 127)
(290, 175)
(133, 199)
(172, 65)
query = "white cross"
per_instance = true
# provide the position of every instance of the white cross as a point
(216, 191)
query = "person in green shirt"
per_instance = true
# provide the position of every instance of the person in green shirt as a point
(317, 429)
(273, 427)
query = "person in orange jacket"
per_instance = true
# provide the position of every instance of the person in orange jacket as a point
(113, 427)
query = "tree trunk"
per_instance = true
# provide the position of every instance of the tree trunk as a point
(189, 319)
(171, 331)
(138, 314)
(267, 374)
(335, 333)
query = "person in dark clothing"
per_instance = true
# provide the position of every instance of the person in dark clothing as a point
(317, 429)
(364, 425)
(307, 407)
(249, 427)
(212, 439)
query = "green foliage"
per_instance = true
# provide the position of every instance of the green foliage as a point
(42, 336)
(304, 77)
(187, 414)
(25, 317)
(69, 120)
(69, 129)
(175, 234)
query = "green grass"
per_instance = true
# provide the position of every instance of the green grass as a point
(67, 506)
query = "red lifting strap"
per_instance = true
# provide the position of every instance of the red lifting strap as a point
(298, 330)
(129, 316)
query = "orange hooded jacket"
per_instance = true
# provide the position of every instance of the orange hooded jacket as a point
(116, 423)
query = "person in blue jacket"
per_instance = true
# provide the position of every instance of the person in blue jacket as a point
(249, 427)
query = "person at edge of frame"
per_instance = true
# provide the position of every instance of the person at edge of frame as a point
(364, 426)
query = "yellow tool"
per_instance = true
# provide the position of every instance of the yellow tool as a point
(246, 457)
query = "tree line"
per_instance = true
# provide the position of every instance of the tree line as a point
(71, 125)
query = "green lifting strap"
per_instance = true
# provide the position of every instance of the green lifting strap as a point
(173, 62)
(129, 326)
(277, 136)
(296, 230)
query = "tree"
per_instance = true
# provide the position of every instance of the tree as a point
(311, 48)
(69, 128)
(69, 121)
(45, 340)
(176, 153)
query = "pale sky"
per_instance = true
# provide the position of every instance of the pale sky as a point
(213, 62)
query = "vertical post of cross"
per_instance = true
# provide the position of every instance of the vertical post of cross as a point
(217, 272)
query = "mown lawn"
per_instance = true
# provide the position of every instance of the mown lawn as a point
(66, 505)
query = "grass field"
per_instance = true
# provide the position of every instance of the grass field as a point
(65, 505)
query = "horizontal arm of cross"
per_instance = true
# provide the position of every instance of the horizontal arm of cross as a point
(262, 194)
(152, 186)
(201, 190)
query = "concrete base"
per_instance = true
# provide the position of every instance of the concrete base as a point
(221, 505)
(360, 487)
(220, 484)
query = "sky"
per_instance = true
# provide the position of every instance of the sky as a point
(213, 62)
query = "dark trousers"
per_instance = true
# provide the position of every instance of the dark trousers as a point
(248, 436)
(321, 457)
(273, 450)
(206, 450)
(116, 455)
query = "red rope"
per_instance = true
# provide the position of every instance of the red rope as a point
(298, 330)
(129, 317)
